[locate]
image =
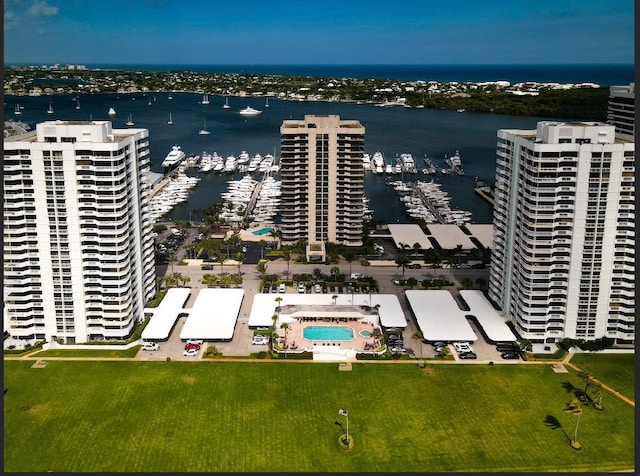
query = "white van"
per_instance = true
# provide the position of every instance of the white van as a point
(260, 339)
(150, 346)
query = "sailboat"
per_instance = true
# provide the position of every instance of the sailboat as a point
(130, 121)
(77, 103)
(226, 103)
(50, 110)
(170, 96)
(205, 99)
(149, 101)
(204, 132)
(170, 121)
(266, 104)
(17, 111)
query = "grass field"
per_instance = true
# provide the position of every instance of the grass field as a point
(615, 370)
(279, 416)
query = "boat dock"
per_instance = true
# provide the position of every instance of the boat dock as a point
(485, 192)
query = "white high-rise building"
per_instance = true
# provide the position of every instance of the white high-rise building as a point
(322, 182)
(621, 110)
(564, 232)
(78, 245)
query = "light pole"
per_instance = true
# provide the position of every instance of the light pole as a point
(346, 414)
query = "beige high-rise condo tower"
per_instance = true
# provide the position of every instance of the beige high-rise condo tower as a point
(322, 182)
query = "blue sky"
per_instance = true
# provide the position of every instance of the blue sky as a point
(318, 32)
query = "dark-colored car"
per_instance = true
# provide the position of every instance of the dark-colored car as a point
(207, 267)
(509, 356)
(506, 348)
(467, 355)
(414, 266)
(274, 288)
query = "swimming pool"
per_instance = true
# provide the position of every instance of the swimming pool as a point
(365, 333)
(335, 333)
(263, 231)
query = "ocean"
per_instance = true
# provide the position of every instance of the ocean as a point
(392, 131)
(603, 74)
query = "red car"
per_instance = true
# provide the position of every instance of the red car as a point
(192, 346)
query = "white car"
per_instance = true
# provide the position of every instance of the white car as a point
(260, 340)
(317, 288)
(301, 289)
(462, 347)
(195, 341)
(150, 346)
(282, 288)
(190, 352)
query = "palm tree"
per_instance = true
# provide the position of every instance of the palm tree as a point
(417, 247)
(262, 267)
(349, 257)
(587, 379)
(444, 351)
(458, 252)
(417, 336)
(220, 256)
(599, 392)
(365, 262)
(286, 255)
(285, 326)
(239, 257)
(574, 408)
(334, 297)
(335, 271)
(403, 261)
(275, 234)
(185, 280)
(317, 273)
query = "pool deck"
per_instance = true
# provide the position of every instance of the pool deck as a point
(298, 317)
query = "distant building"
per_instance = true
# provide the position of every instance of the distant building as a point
(322, 187)
(564, 232)
(78, 245)
(621, 110)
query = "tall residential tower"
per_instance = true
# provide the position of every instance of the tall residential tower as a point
(322, 182)
(564, 251)
(78, 245)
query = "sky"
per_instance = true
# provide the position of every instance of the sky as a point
(318, 32)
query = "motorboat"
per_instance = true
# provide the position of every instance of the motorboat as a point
(230, 164)
(112, 111)
(174, 157)
(249, 111)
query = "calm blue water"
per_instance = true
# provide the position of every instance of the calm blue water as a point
(335, 333)
(390, 130)
(602, 74)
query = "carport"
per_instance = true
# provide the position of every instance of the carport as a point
(214, 314)
(439, 317)
(490, 320)
(165, 315)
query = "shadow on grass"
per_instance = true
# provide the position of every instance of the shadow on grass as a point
(577, 392)
(553, 423)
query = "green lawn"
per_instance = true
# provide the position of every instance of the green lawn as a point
(279, 416)
(89, 353)
(614, 370)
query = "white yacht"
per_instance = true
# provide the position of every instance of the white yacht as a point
(243, 158)
(266, 163)
(254, 163)
(226, 104)
(174, 157)
(249, 111)
(230, 163)
(205, 99)
(206, 163)
(377, 165)
(112, 111)
(218, 163)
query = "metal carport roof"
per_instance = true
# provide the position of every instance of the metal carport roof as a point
(439, 317)
(165, 315)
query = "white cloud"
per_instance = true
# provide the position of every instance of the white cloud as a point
(42, 9)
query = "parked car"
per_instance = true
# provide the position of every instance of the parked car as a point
(274, 288)
(301, 288)
(509, 356)
(398, 350)
(282, 288)
(462, 347)
(317, 288)
(467, 355)
(190, 352)
(207, 267)
(414, 266)
(192, 346)
(150, 346)
(195, 341)
(438, 346)
(260, 340)
(506, 348)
